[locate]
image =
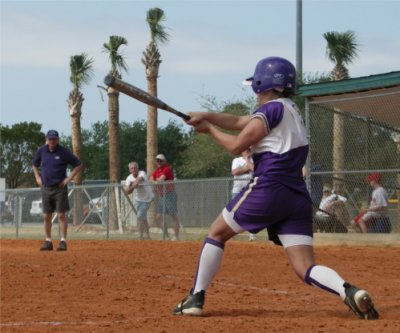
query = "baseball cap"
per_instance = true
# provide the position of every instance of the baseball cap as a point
(374, 176)
(52, 134)
(161, 157)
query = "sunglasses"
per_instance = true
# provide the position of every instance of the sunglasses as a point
(158, 160)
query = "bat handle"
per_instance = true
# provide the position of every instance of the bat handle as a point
(184, 116)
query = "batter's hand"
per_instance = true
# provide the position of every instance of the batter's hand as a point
(195, 118)
(202, 126)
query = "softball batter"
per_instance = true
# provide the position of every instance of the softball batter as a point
(277, 197)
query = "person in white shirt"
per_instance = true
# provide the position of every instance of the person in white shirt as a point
(143, 197)
(242, 171)
(325, 218)
(377, 207)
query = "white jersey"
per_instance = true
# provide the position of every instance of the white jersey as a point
(240, 181)
(379, 198)
(285, 127)
(144, 192)
(281, 154)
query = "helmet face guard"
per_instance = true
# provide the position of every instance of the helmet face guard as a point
(273, 73)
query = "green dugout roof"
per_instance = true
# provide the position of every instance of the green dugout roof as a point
(376, 96)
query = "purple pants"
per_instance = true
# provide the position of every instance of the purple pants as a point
(269, 204)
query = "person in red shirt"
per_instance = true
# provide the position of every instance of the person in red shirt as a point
(167, 197)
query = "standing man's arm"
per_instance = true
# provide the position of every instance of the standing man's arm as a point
(74, 161)
(36, 172)
(241, 170)
(138, 181)
(36, 161)
(71, 175)
(135, 184)
(128, 188)
(161, 178)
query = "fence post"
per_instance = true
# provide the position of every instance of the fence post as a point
(19, 214)
(164, 225)
(107, 213)
(308, 129)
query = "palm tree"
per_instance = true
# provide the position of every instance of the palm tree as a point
(118, 64)
(81, 67)
(152, 60)
(341, 49)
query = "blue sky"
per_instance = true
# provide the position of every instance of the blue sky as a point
(214, 45)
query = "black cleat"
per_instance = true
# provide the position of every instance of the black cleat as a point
(192, 305)
(62, 246)
(360, 302)
(47, 246)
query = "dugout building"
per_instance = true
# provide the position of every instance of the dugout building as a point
(354, 129)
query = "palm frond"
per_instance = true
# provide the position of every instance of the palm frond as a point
(341, 48)
(81, 69)
(158, 31)
(117, 59)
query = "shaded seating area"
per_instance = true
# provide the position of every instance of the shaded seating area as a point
(334, 221)
(354, 130)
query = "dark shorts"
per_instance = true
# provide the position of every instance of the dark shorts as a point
(273, 206)
(168, 204)
(55, 199)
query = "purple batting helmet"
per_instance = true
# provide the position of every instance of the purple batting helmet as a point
(273, 73)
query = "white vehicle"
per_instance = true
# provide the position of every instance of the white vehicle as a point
(98, 205)
(36, 209)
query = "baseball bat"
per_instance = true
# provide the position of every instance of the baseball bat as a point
(140, 95)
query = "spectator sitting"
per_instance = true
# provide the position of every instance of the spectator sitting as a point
(377, 207)
(325, 218)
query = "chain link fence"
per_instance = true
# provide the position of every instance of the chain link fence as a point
(198, 201)
(106, 211)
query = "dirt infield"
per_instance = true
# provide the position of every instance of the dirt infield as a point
(131, 286)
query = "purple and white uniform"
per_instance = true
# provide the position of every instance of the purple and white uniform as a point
(277, 197)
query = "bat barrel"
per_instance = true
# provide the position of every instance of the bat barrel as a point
(140, 95)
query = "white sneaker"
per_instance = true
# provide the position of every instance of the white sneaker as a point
(252, 237)
(174, 238)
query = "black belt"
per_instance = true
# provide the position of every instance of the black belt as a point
(52, 186)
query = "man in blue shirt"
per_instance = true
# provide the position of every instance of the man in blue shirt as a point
(50, 169)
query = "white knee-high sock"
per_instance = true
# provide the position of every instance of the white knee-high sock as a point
(327, 279)
(209, 263)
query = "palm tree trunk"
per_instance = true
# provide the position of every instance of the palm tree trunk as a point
(114, 158)
(338, 153)
(151, 140)
(76, 138)
(152, 125)
(75, 110)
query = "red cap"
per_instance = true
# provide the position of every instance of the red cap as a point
(374, 176)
